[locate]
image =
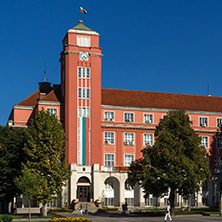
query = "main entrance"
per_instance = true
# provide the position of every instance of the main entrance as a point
(83, 189)
(84, 193)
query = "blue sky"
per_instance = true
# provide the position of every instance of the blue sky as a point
(155, 45)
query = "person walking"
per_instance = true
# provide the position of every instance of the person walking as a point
(86, 210)
(80, 209)
(167, 213)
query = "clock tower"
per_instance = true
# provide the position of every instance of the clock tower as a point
(81, 89)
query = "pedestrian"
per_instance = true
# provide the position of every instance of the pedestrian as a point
(86, 210)
(80, 209)
(167, 213)
(126, 207)
(123, 209)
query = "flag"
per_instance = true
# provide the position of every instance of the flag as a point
(83, 10)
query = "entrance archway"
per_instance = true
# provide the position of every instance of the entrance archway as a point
(83, 189)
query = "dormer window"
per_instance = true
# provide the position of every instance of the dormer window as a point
(83, 41)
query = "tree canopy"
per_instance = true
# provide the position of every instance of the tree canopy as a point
(11, 157)
(176, 163)
(45, 149)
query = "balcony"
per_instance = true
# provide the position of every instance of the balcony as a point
(114, 169)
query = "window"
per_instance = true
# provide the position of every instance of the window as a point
(52, 111)
(83, 93)
(204, 141)
(109, 160)
(127, 185)
(83, 41)
(147, 139)
(83, 112)
(128, 159)
(128, 117)
(108, 116)
(203, 121)
(219, 142)
(129, 139)
(109, 201)
(148, 118)
(219, 122)
(109, 138)
(149, 202)
(129, 201)
(83, 72)
(109, 184)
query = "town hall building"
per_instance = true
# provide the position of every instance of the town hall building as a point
(107, 128)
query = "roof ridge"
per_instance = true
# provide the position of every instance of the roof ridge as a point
(28, 97)
(163, 93)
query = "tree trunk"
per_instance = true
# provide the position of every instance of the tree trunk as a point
(29, 210)
(44, 210)
(172, 201)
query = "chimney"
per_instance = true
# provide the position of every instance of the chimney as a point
(42, 84)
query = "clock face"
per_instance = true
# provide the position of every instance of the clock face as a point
(84, 56)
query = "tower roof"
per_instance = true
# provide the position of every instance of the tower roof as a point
(81, 28)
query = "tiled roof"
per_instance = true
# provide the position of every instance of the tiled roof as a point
(52, 94)
(145, 99)
(142, 99)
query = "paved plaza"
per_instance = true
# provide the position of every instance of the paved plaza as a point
(116, 218)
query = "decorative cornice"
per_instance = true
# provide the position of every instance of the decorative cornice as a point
(52, 103)
(76, 53)
(23, 107)
(127, 127)
(158, 110)
(96, 54)
(70, 52)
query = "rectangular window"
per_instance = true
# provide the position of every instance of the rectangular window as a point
(79, 93)
(83, 41)
(128, 159)
(109, 201)
(147, 139)
(129, 117)
(203, 121)
(79, 72)
(129, 201)
(148, 118)
(219, 142)
(109, 160)
(109, 138)
(83, 93)
(109, 116)
(83, 112)
(88, 73)
(88, 94)
(83, 72)
(129, 139)
(52, 111)
(204, 141)
(149, 202)
(219, 122)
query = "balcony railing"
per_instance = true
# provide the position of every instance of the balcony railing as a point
(115, 168)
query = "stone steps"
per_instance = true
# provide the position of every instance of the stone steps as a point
(91, 207)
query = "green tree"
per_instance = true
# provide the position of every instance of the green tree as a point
(176, 163)
(45, 149)
(11, 156)
(31, 184)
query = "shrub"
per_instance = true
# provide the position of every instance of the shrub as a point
(110, 208)
(60, 210)
(69, 219)
(6, 218)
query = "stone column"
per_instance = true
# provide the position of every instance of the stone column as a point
(97, 187)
